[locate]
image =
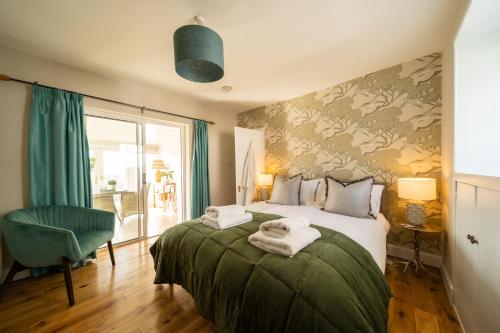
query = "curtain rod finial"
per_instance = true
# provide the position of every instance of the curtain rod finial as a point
(4, 77)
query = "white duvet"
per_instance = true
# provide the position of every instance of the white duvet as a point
(369, 233)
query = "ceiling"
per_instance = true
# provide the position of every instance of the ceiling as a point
(273, 49)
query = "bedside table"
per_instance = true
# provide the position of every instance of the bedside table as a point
(417, 232)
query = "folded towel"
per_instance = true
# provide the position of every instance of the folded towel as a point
(225, 222)
(285, 226)
(223, 211)
(286, 246)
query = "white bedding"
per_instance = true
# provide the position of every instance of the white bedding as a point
(369, 233)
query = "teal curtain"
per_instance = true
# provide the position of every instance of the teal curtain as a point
(200, 184)
(59, 166)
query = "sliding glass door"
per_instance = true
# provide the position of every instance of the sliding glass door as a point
(164, 175)
(138, 172)
(115, 156)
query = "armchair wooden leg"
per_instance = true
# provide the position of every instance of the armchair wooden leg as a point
(66, 264)
(111, 253)
(16, 267)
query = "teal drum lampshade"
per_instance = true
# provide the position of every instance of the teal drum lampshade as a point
(198, 54)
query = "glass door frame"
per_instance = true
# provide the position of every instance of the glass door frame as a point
(140, 146)
(141, 121)
(184, 166)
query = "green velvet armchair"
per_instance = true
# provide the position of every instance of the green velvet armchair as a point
(56, 235)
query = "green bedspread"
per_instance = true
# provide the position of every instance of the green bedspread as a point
(332, 285)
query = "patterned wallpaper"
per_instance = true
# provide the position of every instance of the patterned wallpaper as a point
(386, 124)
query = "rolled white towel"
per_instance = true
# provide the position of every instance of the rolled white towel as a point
(285, 226)
(286, 246)
(223, 211)
(225, 222)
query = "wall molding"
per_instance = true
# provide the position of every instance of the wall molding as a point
(402, 252)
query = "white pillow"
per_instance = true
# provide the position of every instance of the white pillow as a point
(308, 190)
(321, 193)
(376, 199)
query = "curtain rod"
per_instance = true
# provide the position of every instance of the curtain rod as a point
(142, 108)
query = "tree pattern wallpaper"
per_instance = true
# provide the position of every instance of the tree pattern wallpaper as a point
(385, 124)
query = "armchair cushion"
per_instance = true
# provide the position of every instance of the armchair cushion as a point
(89, 241)
(36, 245)
(42, 236)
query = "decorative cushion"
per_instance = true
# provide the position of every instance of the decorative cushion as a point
(351, 199)
(286, 191)
(308, 190)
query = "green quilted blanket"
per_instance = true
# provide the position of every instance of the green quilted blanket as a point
(332, 285)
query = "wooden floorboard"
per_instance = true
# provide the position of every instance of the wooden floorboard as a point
(123, 298)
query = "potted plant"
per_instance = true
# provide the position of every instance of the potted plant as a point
(167, 175)
(93, 160)
(111, 185)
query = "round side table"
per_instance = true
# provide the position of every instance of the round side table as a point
(417, 233)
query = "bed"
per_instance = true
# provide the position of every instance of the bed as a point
(369, 233)
(335, 284)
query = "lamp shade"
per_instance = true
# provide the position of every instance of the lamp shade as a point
(417, 188)
(264, 179)
(198, 53)
(158, 165)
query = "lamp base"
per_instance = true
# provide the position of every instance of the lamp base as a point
(415, 213)
(264, 193)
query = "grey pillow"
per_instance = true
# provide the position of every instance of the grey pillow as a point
(286, 191)
(351, 199)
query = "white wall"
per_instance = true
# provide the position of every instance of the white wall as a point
(470, 110)
(14, 104)
(477, 113)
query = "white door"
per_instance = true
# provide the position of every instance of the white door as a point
(465, 254)
(487, 268)
(243, 139)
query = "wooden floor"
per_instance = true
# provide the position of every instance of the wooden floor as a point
(124, 299)
(158, 222)
(419, 302)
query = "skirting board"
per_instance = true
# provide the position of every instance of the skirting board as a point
(448, 285)
(402, 252)
(20, 275)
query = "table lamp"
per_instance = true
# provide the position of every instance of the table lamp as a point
(264, 181)
(416, 190)
(158, 165)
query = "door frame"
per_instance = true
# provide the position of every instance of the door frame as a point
(141, 121)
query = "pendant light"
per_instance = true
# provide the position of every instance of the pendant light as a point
(198, 53)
